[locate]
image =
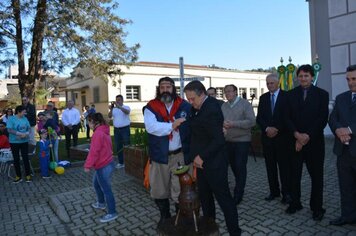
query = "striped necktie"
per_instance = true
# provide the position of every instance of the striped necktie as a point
(354, 98)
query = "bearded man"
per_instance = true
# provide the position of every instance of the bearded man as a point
(168, 140)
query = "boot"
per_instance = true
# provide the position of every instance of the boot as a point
(163, 206)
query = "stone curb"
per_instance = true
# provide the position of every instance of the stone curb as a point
(57, 207)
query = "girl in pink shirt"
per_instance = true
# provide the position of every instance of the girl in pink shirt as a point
(101, 160)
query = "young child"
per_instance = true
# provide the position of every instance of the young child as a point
(100, 158)
(41, 121)
(43, 154)
(53, 130)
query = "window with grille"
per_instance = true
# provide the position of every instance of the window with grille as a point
(178, 90)
(133, 93)
(253, 91)
(220, 93)
(96, 95)
(242, 92)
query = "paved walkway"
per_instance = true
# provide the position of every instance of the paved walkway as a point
(61, 206)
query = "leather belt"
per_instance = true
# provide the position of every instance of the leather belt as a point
(174, 152)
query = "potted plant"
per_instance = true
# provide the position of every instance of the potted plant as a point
(256, 143)
(136, 154)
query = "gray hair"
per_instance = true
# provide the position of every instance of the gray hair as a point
(273, 76)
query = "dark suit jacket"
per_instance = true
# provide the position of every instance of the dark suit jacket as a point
(344, 115)
(309, 116)
(207, 138)
(265, 118)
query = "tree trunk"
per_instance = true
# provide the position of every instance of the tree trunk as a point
(19, 45)
(34, 69)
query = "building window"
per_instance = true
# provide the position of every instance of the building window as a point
(253, 92)
(242, 92)
(133, 93)
(262, 91)
(220, 93)
(178, 90)
(96, 95)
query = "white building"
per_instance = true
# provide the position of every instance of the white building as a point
(138, 84)
(333, 38)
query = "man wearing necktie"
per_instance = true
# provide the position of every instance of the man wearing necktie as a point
(306, 119)
(274, 139)
(342, 122)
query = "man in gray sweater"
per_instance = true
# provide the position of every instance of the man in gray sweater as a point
(239, 118)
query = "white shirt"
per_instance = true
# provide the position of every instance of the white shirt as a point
(157, 128)
(120, 119)
(71, 116)
(275, 95)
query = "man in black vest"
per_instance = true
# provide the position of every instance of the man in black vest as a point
(168, 143)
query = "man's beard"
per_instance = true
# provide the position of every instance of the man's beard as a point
(166, 97)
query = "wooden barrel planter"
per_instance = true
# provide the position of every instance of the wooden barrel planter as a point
(135, 160)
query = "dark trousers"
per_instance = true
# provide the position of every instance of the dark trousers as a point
(213, 182)
(277, 161)
(16, 148)
(122, 138)
(68, 134)
(346, 169)
(87, 131)
(313, 155)
(237, 153)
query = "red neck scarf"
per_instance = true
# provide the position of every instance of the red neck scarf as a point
(160, 108)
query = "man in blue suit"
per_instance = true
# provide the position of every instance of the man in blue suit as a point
(275, 139)
(342, 122)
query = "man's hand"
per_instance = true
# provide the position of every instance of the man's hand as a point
(343, 134)
(298, 146)
(228, 124)
(198, 162)
(178, 122)
(302, 138)
(271, 132)
(86, 170)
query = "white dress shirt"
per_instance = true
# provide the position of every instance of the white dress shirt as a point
(71, 116)
(157, 128)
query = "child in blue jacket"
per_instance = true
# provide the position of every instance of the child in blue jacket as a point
(45, 146)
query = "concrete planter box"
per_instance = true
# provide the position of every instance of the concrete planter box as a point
(135, 160)
(80, 152)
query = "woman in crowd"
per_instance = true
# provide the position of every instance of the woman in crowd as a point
(19, 129)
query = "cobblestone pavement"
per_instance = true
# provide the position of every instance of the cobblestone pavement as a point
(62, 206)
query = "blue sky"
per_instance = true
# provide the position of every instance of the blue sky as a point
(236, 34)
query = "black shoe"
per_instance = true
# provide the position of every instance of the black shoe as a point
(286, 199)
(293, 209)
(271, 197)
(340, 221)
(318, 215)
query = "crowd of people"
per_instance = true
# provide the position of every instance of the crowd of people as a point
(209, 135)
(213, 134)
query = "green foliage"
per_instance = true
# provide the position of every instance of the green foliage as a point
(140, 137)
(41, 96)
(61, 105)
(58, 34)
